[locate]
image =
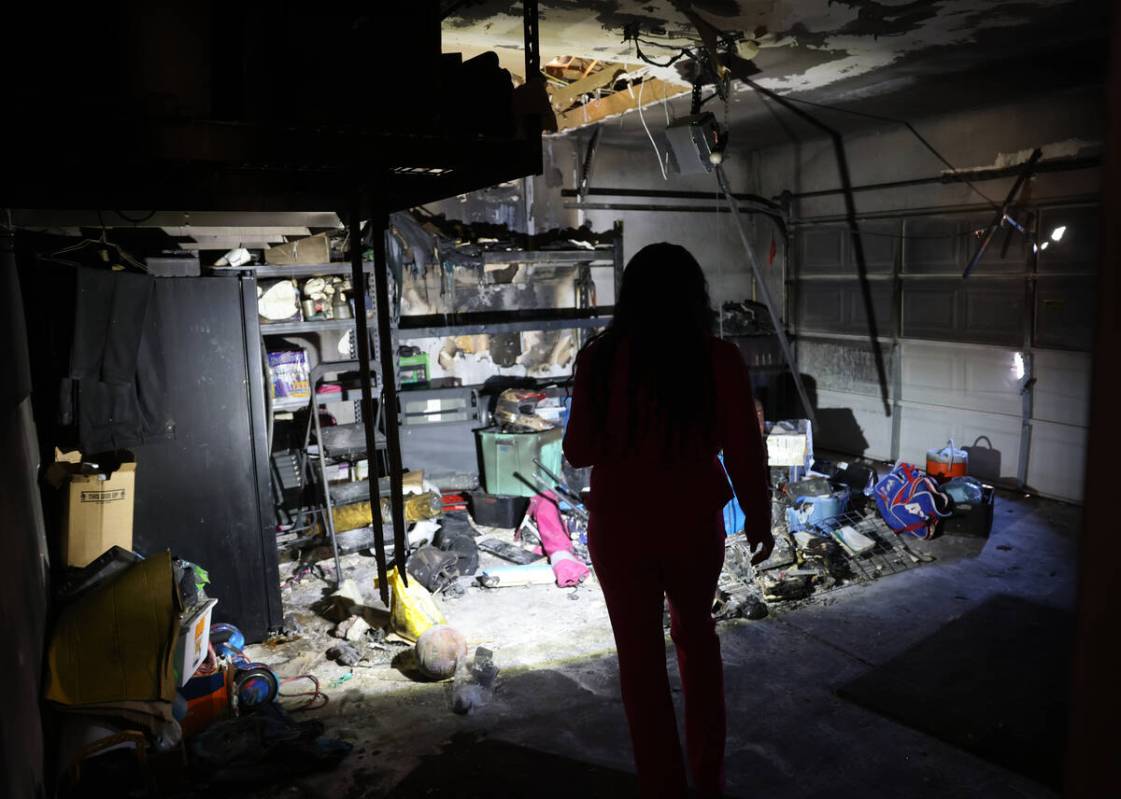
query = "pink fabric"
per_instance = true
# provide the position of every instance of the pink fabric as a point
(555, 540)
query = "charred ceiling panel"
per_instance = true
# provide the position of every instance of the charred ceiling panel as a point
(837, 50)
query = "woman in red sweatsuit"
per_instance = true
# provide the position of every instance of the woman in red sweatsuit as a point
(656, 397)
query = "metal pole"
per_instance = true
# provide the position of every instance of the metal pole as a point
(362, 340)
(390, 407)
(765, 291)
(1002, 212)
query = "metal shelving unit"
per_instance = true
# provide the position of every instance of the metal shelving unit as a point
(582, 316)
(325, 446)
(309, 326)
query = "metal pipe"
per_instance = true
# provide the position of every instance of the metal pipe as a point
(362, 340)
(850, 216)
(666, 194)
(1025, 171)
(980, 175)
(765, 290)
(390, 406)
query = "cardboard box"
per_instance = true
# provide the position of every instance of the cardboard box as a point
(192, 641)
(97, 507)
(790, 443)
(115, 643)
(311, 250)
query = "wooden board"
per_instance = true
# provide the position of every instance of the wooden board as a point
(653, 90)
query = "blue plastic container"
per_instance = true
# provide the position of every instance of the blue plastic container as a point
(810, 512)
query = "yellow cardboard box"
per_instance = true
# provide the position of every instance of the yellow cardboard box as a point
(97, 507)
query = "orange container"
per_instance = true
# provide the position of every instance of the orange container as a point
(947, 463)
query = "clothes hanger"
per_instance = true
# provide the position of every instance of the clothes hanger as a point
(111, 255)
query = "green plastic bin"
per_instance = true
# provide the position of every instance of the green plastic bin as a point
(506, 454)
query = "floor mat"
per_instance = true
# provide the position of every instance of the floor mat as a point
(993, 682)
(479, 767)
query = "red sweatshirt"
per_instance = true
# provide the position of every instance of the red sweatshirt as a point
(645, 477)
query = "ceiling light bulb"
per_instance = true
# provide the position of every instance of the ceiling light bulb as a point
(1045, 245)
(1057, 233)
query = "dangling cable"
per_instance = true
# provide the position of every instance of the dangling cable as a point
(653, 144)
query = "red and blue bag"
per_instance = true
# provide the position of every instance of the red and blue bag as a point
(910, 501)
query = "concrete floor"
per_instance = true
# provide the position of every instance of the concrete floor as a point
(790, 735)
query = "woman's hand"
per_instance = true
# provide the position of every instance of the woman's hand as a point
(762, 543)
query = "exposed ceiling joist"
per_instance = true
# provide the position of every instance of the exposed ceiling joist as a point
(651, 90)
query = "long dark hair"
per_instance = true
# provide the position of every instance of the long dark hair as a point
(662, 324)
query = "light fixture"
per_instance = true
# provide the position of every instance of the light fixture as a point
(1057, 233)
(1045, 245)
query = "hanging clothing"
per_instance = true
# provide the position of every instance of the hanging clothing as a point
(96, 338)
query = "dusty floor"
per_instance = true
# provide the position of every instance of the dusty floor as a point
(790, 733)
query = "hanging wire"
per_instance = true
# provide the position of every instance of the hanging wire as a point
(650, 135)
(958, 174)
(910, 128)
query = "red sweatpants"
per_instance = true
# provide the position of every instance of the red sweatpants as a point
(638, 563)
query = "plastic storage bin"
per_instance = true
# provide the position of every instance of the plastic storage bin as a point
(809, 512)
(490, 510)
(507, 455)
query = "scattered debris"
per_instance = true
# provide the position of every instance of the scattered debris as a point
(474, 686)
(342, 679)
(345, 654)
(352, 629)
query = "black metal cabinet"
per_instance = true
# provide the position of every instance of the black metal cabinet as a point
(205, 494)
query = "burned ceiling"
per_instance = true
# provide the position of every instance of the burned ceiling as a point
(836, 50)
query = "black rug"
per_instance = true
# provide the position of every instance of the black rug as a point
(470, 767)
(994, 682)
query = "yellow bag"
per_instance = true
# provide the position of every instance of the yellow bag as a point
(412, 610)
(418, 507)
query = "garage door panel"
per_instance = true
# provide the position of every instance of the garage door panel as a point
(837, 306)
(992, 312)
(1065, 310)
(927, 427)
(943, 245)
(1057, 463)
(985, 312)
(1062, 388)
(841, 366)
(929, 310)
(852, 424)
(820, 307)
(821, 250)
(881, 244)
(972, 378)
(932, 246)
(829, 250)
